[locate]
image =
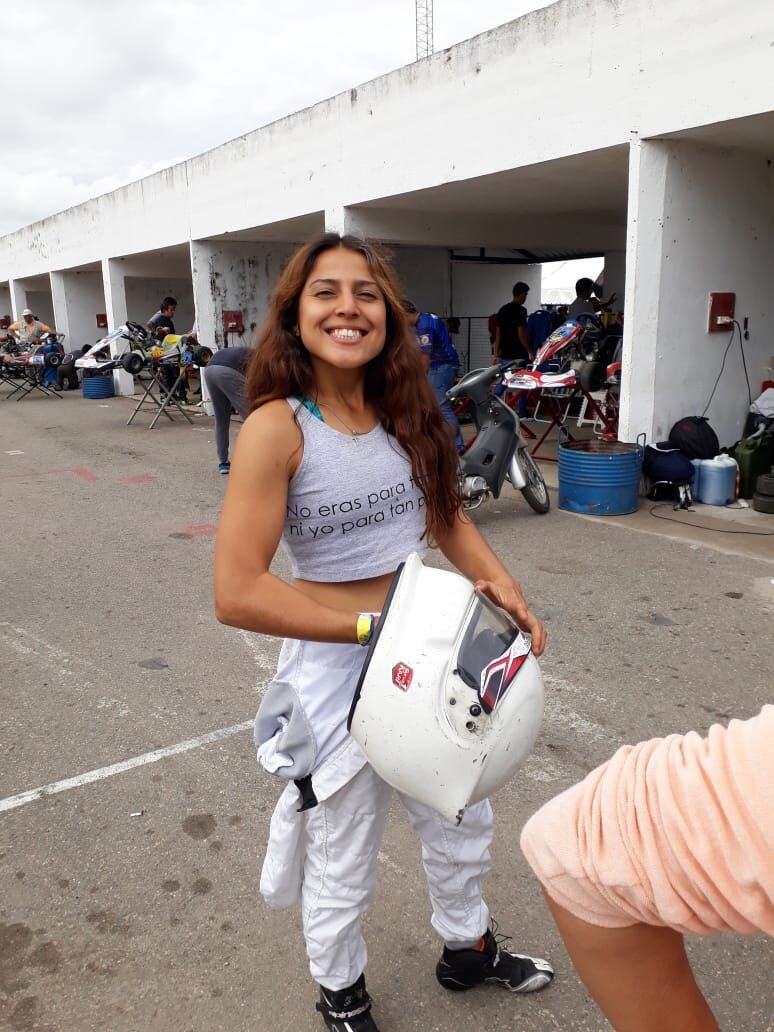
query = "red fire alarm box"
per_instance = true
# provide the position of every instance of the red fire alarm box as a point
(721, 312)
(101, 321)
(233, 322)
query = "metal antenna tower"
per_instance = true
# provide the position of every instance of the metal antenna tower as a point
(424, 28)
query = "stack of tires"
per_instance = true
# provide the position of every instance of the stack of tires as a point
(98, 387)
(763, 499)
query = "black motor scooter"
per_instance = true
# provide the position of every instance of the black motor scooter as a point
(499, 452)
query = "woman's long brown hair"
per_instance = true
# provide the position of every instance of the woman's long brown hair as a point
(396, 384)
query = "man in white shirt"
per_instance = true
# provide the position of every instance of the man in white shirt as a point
(584, 304)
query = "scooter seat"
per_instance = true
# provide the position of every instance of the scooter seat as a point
(476, 378)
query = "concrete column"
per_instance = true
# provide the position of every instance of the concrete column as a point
(115, 307)
(342, 220)
(205, 306)
(115, 293)
(202, 255)
(59, 301)
(644, 249)
(690, 236)
(5, 301)
(18, 299)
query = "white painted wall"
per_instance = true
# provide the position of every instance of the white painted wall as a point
(77, 298)
(483, 288)
(143, 296)
(425, 277)
(704, 221)
(615, 278)
(719, 235)
(234, 277)
(41, 304)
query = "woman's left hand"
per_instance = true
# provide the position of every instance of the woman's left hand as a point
(510, 597)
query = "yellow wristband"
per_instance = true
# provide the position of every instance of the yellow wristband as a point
(365, 628)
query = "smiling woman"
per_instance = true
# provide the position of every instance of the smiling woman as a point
(347, 461)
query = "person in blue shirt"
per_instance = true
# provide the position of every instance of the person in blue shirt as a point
(441, 360)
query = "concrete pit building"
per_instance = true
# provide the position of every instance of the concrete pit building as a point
(639, 131)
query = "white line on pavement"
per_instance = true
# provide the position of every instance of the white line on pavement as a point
(13, 802)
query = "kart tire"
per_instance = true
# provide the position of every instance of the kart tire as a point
(53, 360)
(765, 485)
(763, 503)
(534, 491)
(592, 376)
(133, 361)
(201, 355)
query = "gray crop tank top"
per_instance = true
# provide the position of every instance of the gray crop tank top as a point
(353, 509)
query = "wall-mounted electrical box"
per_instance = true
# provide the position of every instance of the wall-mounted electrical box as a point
(101, 320)
(721, 312)
(233, 322)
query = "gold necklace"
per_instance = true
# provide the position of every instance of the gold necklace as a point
(355, 433)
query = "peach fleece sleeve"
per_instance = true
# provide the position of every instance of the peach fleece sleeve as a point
(676, 831)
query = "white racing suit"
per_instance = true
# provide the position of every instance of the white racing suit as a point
(326, 855)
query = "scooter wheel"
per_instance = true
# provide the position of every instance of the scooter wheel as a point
(534, 491)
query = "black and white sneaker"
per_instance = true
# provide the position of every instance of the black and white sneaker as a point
(347, 1010)
(459, 970)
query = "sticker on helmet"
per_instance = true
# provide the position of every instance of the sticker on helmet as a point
(498, 676)
(402, 675)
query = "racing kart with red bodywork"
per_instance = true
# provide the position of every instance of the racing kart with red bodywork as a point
(581, 352)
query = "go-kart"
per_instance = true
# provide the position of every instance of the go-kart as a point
(581, 352)
(31, 366)
(132, 348)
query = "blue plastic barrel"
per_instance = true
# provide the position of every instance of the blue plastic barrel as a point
(98, 387)
(599, 478)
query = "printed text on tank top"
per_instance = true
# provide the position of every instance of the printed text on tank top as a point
(352, 513)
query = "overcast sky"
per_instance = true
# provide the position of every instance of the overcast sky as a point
(97, 93)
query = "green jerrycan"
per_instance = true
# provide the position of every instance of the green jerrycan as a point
(755, 455)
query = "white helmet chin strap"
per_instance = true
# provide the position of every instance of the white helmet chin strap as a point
(450, 699)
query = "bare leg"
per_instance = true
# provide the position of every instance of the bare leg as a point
(639, 976)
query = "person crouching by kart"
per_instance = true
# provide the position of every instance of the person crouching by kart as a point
(346, 460)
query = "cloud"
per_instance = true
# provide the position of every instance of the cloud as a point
(100, 92)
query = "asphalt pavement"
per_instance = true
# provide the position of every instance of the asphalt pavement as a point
(130, 884)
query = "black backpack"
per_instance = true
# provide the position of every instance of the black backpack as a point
(669, 474)
(695, 438)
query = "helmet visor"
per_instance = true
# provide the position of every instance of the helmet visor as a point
(492, 651)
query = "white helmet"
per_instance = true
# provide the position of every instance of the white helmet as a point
(450, 699)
